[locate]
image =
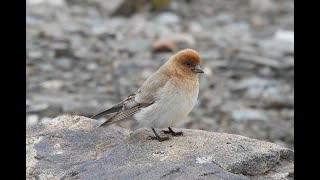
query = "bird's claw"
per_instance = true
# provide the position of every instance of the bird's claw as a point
(160, 139)
(172, 133)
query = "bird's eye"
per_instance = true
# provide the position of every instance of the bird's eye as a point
(188, 64)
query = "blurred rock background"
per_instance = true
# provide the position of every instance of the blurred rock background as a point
(83, 56)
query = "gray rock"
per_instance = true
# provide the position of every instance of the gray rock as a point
(262, 7)
(64, 63)
(92, 66)
(167, 18)
(276, 48)
(195, 27)
(31, 20)
(259, 60)
(252, 82)
(259, 21)
(223, 18)
(136, 45)
(36, 107)
(285, 36)
(248, 114)
(72, 147)
(52, 84)
(46, 67)
(181, 38)
(32, 119)
(47, 120)
(35, 54)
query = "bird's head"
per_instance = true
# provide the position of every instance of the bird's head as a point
(186, 63)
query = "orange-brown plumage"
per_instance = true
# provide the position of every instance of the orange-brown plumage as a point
(188, 56)
(181, 64)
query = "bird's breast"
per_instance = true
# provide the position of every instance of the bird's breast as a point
(178, 105)
(174, 102)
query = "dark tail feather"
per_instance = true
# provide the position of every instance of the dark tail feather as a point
(109, 111)
(106, 123)
(110, 121)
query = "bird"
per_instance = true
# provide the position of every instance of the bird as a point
(165, 98)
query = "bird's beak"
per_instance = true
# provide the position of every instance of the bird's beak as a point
(197, 69)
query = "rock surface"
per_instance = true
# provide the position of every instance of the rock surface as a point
(71, 147)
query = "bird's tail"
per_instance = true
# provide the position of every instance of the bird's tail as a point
(108, 111)
(106, 123)
(111, 120)
(121, 115)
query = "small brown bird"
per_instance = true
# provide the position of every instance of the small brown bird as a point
(165, 98)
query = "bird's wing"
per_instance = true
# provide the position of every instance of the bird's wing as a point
(124, 113)
(124, 109)
(143, 97)
(115, 108)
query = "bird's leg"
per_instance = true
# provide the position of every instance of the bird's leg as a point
(172, 132)
(160, 139)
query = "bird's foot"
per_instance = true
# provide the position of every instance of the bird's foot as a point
(160, 139)
(172, 132)
(157, 137)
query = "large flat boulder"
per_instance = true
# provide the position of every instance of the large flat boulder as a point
(72, 147)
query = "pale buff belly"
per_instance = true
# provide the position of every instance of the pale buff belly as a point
(166, 112)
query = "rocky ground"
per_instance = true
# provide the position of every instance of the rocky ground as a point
(72, 147)
(80, 60)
